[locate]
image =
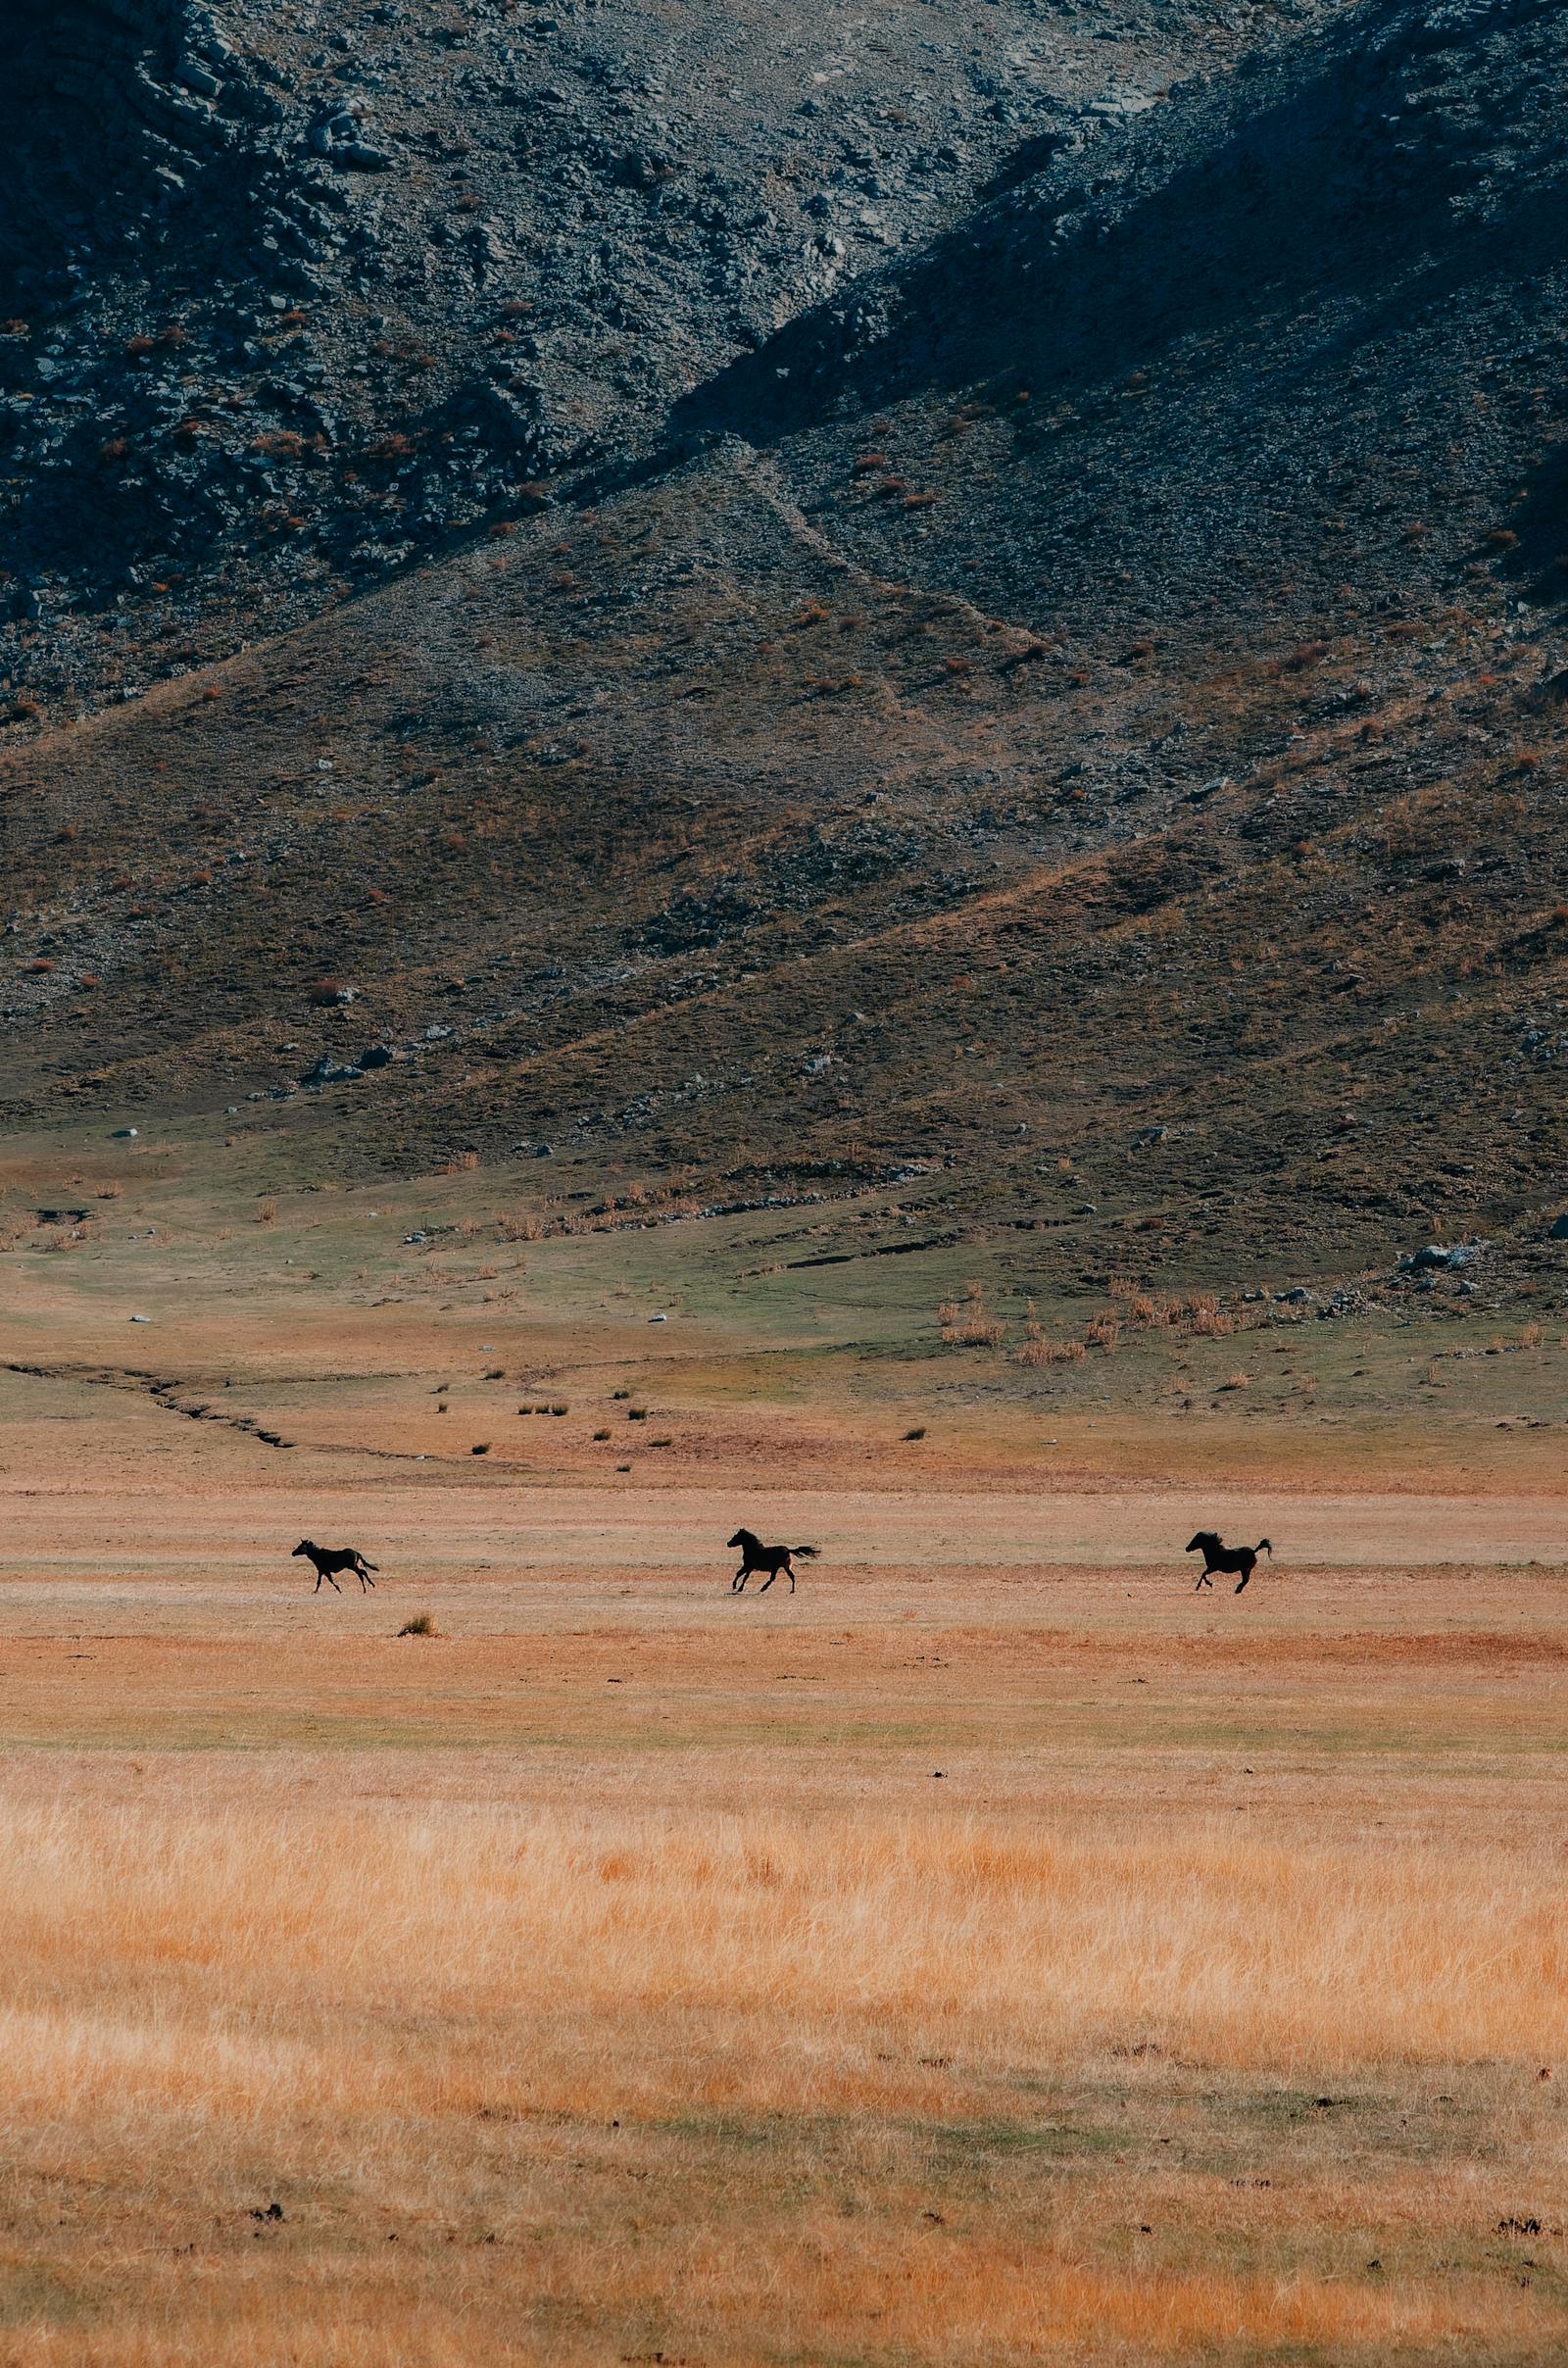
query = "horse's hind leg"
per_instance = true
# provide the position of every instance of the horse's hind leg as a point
(767, 1582)
(1242, 1581)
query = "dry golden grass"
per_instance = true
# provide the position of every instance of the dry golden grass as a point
(534, 2048)
(1008, 1945)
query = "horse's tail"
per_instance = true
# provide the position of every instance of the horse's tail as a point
(1264, 1547)
(809, 1552)
(371, 1565)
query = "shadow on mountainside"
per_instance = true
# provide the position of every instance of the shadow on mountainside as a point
(1313, 180)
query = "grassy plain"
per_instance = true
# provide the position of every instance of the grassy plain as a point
(994, 1951)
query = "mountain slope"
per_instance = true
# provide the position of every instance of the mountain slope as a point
(289, 295)
(1076, 722)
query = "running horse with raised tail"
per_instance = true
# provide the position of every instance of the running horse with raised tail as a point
(755, 1555)
(330, 1558)
(1219, 1556)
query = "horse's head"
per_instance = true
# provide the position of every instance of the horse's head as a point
(304, 1546)
(1204, 1539)
(743, 1537)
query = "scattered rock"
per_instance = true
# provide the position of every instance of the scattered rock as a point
(1436, 1258)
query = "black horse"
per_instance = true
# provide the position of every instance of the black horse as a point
(1218, 1557)
(755, 1555)
(329, 1558)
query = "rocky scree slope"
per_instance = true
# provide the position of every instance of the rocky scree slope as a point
(289, 294)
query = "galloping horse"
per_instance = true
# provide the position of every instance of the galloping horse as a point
(1226, 1558)
(755, 1555)
(329, 1558)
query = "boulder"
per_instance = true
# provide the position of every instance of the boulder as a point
(1437, 1258)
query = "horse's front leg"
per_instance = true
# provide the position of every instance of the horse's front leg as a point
(737, 1584)
(767, 1582)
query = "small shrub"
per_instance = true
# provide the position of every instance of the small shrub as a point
(919, 1432)
(476, 1450)
(636, 1413)
(600, 1434)
(1104, 1332)
(559, 1410)
(971, 1326)
(621, 1393)
(267, 1213)
(517, 1226)
(421, 1624)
